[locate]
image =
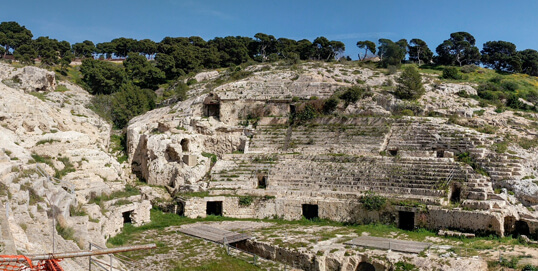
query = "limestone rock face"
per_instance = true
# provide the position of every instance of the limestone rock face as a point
(54, 134)
(29, 78)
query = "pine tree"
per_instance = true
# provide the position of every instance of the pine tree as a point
(409, 84)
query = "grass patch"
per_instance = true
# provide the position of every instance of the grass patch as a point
(245, 201)
(66, 233)
(39, 95)
(46, 141)
(465, 158)
(61, 88)
(211, 156)
(68, 168)
(77, 210)
(127, 192)
(118, 147)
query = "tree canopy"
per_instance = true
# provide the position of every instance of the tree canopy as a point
(501, 56)
(13, 35)
(102, 77)
(409, 84)
(368, 46)
(84, 49)
(419, 52)
(459, 49)
(392, 53)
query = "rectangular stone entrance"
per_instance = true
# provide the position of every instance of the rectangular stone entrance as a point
(310, 211)
(214, 208)
(127, 217)
(406, 220)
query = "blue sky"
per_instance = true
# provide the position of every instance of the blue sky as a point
(347, 21)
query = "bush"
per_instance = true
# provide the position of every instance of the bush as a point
(510, 86)
(245, 200)
(408, 109)
(496, 79)
(330, 105)
(129, 102)
(529, 267)
(306, 112)
(371, 201)
(451, 73)
(469, 68)
(514, 102)
(409, 84)
(392, 69)
(191, 81)
(352, 94)
(181, 90)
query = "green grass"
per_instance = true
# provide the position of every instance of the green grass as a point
(68, 168)
(61, 88)
(127, 192)
(77, 210)
(159, 221)
(39, 95)
(46, 141)
(66, 233)
(71, 74)
(495, 86)
(225, 262)
(118, 145)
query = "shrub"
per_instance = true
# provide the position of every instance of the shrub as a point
(391, 69)
(529, 267)
(451, 73)
(409, 84)
(102, 106)
(496, 79)
(510, 263)
(514, 102)
(352, 94)
(330, 105)
(408, 109)
(129, 102)
(245, 200)
(404, 266)
(181, 90)
(510, 86)
(371, 201)
(66, 233)
(407, 112)
(305, 113)
(469, 68)
(191, 81)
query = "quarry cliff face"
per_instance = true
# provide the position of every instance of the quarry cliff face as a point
(54, 163)
(440, 158)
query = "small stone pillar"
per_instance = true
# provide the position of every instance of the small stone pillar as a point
(190, 160)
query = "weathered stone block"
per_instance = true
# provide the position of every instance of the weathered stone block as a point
(190, 160)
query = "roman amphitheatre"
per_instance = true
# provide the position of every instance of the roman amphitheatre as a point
(241, 175)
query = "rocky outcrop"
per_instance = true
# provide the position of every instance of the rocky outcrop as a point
(47, 134)
(28, 79)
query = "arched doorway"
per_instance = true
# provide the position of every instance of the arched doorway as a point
(184, 145)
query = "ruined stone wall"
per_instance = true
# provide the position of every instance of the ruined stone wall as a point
(139, 214)
(465, 220)
(353, 212)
